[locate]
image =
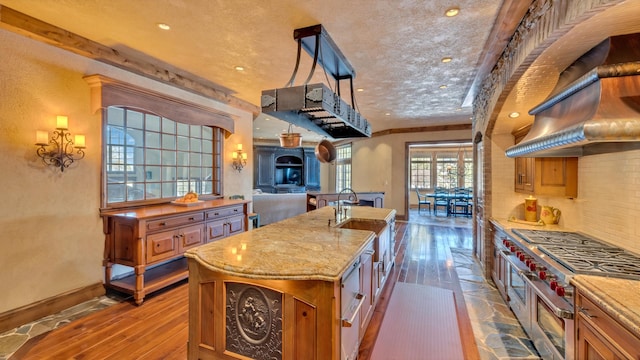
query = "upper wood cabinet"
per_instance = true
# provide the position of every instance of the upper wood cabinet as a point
(525, 168)
(554, 176)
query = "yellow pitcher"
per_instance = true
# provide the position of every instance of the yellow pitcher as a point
(549, 215)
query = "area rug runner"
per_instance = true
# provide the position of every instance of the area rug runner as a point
(420, 323)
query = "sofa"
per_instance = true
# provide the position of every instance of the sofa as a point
(275, 207)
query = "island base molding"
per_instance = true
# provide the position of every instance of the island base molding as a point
(239, 318)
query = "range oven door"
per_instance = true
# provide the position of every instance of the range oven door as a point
(519, 292)
(551, 323)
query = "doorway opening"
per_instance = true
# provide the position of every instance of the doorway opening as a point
(432, 165)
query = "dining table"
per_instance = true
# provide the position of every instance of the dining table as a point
(450, 196)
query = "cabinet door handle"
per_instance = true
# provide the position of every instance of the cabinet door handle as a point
(163, 224)
(585, 312)
(191, 219)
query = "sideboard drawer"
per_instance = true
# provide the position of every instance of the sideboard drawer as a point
(224, 212)
(166, 223)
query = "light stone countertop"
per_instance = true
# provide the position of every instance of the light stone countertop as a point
(507, 225)
(147, 212)
(617, 297)
(303, 247)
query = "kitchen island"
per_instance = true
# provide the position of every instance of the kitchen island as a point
(304, 287)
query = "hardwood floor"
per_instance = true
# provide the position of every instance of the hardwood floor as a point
(159, 328)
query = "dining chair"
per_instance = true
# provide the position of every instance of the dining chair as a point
(441, 199)
(423, 200)
(461, 204)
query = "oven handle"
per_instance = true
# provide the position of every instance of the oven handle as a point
(349, 322)
(561, 313)
(524, 273)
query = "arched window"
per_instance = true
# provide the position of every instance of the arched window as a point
(156, 148)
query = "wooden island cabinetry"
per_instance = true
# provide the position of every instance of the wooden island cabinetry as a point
(600, 336)
(153, 239)
(296, 289)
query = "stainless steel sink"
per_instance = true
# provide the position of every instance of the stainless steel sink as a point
(377, 226)
(364, 224)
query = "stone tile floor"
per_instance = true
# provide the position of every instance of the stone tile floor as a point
(498, 334)
(12, 340)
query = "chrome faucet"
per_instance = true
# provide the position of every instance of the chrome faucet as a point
(337, 212)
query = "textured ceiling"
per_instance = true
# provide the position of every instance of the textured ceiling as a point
(395, 47)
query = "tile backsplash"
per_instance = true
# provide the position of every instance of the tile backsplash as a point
(608, 202)
(609, 197)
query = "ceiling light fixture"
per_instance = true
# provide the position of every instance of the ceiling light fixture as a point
(452, 11)
(443, 86)
(446, 59)
(359, 89)
(514, 114)
(239, 68)
(387, 114)
(164, 26)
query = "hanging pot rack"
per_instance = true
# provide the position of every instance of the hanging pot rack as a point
(315, 106)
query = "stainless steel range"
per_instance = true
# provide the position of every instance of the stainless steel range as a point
(541, 264)
(582, 254)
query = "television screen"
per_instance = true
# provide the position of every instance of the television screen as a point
(288, 176)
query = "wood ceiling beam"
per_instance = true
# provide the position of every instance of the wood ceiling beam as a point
(423, 129)
(33, 28)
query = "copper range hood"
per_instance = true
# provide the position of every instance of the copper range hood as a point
(594, 108)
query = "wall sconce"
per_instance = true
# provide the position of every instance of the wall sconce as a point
(59, 150)
(239, 158)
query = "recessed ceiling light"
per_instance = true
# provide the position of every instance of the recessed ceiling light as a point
(239, 68)
(446, 59)
(359, 89)
(443, 86)
(387, 114)
(164, 26)
(452, 11)
(514, 114)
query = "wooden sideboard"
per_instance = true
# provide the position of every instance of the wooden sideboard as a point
(318, 200)
(153, 239)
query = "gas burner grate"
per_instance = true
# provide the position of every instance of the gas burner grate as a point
(605, 261)
(557, 237)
